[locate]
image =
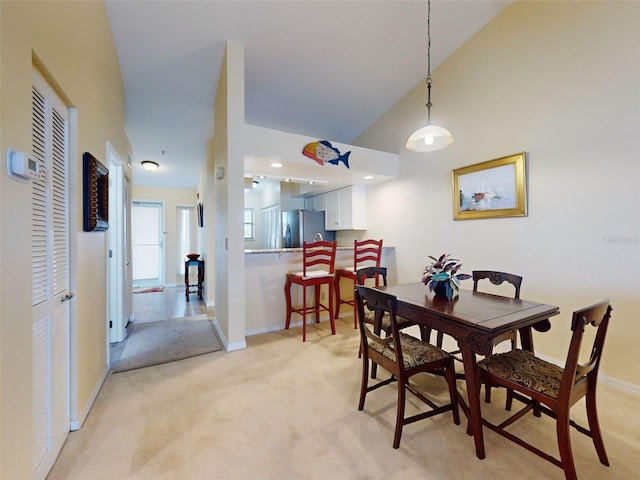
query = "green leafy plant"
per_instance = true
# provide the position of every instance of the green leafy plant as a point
(444, 270)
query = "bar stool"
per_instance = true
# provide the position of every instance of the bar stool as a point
(365, 253)
(318, 264)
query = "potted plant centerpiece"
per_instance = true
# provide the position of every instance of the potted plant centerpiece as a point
(442, 277)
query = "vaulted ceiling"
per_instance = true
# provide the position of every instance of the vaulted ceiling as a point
(321, 68)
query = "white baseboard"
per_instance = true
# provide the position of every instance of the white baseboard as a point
(620, 385)
(272, 328)
(229, 347)
(76, 423)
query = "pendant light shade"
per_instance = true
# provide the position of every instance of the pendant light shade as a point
(431, 137)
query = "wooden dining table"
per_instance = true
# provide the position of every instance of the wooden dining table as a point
(473, 319)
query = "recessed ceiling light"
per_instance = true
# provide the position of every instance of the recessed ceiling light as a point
(276, 165)
(368, 177)
(287, 179)
(149, 166)
(311, 182)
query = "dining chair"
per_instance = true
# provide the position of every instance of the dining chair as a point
(498, 278)
(365, 253)
(377, 273)
(553, 390)
(495, 278)
(318, 264)
(402, 355)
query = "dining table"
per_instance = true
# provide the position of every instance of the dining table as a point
(473, 319)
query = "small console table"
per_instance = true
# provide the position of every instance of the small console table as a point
(195, 287)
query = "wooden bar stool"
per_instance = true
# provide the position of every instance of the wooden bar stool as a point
(318, 264)
(365, 253)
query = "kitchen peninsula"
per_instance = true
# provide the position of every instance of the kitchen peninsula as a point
(265, 272)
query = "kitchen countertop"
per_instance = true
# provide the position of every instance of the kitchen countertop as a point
(285, 250)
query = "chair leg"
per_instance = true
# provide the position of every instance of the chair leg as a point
(400, 412)
(509, 401)
(564, 445)
(287, 296)
(374, 370)
(336, 287)
(365, 379)
(304, 313)
(487, 393)
(450, 376)
(317, 302)
(596, 436)
(355, 314)
(331, 307)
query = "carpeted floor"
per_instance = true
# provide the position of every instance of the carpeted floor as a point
(286, 410)
(154, 343)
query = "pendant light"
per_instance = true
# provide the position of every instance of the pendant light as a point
(431, 137)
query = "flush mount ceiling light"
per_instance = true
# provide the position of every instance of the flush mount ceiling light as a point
(431, 137)
(149, 166)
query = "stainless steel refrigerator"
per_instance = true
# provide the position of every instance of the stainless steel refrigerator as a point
(303, 226)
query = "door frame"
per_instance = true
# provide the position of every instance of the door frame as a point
(116, 306)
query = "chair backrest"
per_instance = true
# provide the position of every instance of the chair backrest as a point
(371, 272)
(579, 376)
(322, 253)
(366, 252)
(497, 278)
(381, 303)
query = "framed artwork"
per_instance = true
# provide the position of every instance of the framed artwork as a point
(492, 189)
(95, 183)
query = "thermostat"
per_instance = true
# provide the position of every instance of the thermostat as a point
(21, 167)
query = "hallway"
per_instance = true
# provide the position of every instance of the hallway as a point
(169, 304)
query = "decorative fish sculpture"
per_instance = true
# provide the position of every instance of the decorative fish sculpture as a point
(323, 152)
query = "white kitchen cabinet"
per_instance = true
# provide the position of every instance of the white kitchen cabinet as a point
(317, 203)
(309, 203)
(346, 209)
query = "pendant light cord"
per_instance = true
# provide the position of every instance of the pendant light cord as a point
(428, 80)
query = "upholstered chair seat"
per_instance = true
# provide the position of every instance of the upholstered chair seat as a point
(414, 352)
(525, 369)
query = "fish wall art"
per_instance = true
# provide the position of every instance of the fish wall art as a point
(323, 152)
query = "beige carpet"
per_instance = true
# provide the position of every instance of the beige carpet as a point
(286, 410)
(154, 343)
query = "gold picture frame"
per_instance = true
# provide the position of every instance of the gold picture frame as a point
(492, 189)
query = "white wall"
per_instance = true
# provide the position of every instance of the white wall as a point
(561, 81)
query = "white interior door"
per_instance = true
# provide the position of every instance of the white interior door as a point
(116, 312)
(147, 243)
(50, 277)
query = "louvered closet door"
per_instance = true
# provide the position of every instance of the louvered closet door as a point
(50, 284)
